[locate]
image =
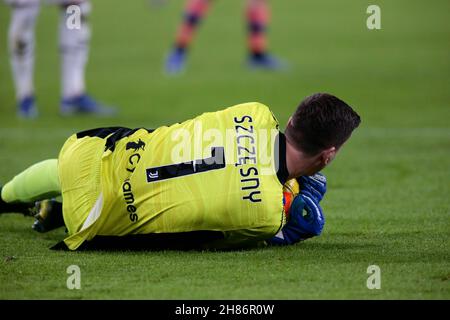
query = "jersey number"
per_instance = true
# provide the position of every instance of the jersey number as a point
(215, 162)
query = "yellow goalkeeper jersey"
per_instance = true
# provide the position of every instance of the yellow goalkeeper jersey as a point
(221, 171)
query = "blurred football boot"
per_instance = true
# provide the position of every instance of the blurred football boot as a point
(85, 104)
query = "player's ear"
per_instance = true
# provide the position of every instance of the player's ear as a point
(289, 121)
(328, 155)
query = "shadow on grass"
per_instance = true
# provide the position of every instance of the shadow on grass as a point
(198, 241)
(185, 241)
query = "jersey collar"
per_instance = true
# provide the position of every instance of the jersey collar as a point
(280, 158)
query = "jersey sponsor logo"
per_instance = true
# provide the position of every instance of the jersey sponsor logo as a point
(128, 197)
(136, 146)
(247, 155)
(134, 158)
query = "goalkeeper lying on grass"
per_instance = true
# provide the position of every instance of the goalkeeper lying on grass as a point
(215, 181)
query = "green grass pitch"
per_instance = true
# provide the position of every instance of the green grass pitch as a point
(388, 197)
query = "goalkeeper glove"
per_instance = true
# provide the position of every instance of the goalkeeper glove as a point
(299, 226)
(314, 186)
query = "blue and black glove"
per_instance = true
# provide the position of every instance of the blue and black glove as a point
(313, 186)
(303, 226)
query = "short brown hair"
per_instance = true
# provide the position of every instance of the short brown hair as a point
(321, 121)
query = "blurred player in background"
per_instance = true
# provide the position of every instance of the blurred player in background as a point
(257, 13)
(74, 48)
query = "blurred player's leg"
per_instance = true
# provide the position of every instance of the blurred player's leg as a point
(74, 48)
(194, 12)
(258, 15)
(21, 42)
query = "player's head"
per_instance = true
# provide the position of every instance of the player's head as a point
(319, 127)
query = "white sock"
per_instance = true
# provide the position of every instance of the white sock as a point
(21, 47)
(74, 48)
